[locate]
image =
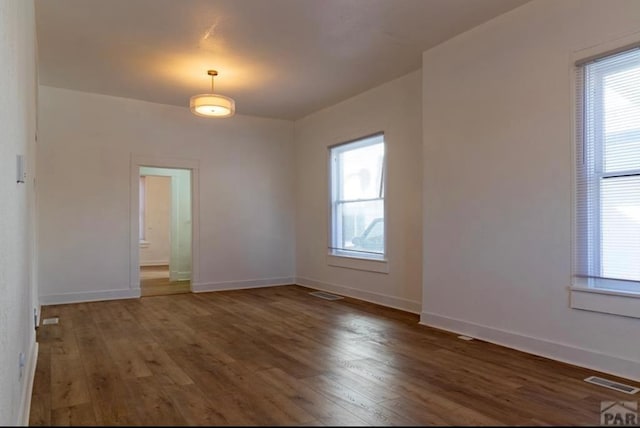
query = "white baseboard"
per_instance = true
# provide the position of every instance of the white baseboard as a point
(239, 285)
(90, 296)
(154, 263)
(557, 351)
(27, 388)
(368, 296)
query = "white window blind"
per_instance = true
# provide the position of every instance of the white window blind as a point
(608, 172)
(357, 198)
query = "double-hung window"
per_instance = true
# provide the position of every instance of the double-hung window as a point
(608, 173)
(357, 199)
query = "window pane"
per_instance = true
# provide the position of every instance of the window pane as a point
(620, 232)
(622, 119)
(361, 172)
(362, 226)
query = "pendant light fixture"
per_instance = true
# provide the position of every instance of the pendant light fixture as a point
(212, 105)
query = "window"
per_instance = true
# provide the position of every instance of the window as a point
(357, 198)
(608, 173)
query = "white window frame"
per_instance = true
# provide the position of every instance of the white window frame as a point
(373, 262)
(606, 295)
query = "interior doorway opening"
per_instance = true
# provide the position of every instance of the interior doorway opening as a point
(165, 231)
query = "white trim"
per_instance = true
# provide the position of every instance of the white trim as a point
(371, 265)
(606, 301)
(575, 117)
(239, 285)
(155, 263)
(159, 162)
(605, 291)
(604, 48)
(368, 296)
(90, 296)
(27, 386)
(620, 287)
(557, 351)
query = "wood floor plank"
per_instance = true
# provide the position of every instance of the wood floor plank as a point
(40, 412)
(43, 371)
(199, 409)
(356, 375)
(358, 404)
(270, 402)
(419, 412)
(162, 366)
(206, 372)
(79, 415)
(107, 388)
(152, 403)
(325, 410)
(279, 356)
(440, 411)
(126, 356)
(68, 383)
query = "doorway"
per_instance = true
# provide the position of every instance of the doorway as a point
(165, 230)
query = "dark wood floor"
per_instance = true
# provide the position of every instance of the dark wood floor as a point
(279, 356)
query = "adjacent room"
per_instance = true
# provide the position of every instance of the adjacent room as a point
(319, 212)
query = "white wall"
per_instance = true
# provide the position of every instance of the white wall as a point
(497, 116)
(157, 221)
(394, 108)
(17, 282)
(246, 201)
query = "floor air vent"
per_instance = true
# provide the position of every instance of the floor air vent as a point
(627, 389)
(49, 321)
(326, 296)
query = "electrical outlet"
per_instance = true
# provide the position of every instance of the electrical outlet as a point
(21, 363)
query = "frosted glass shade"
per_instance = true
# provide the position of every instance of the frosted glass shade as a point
(212, 105)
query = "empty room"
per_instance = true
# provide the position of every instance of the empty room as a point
(319, 212)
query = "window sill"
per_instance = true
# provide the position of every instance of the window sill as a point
(350, 262)
(606, 301)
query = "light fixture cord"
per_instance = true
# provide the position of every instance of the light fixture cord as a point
(212, 84)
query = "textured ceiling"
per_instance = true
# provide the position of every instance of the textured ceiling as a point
(276, 58)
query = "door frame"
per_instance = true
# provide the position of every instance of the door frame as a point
(134, 185)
